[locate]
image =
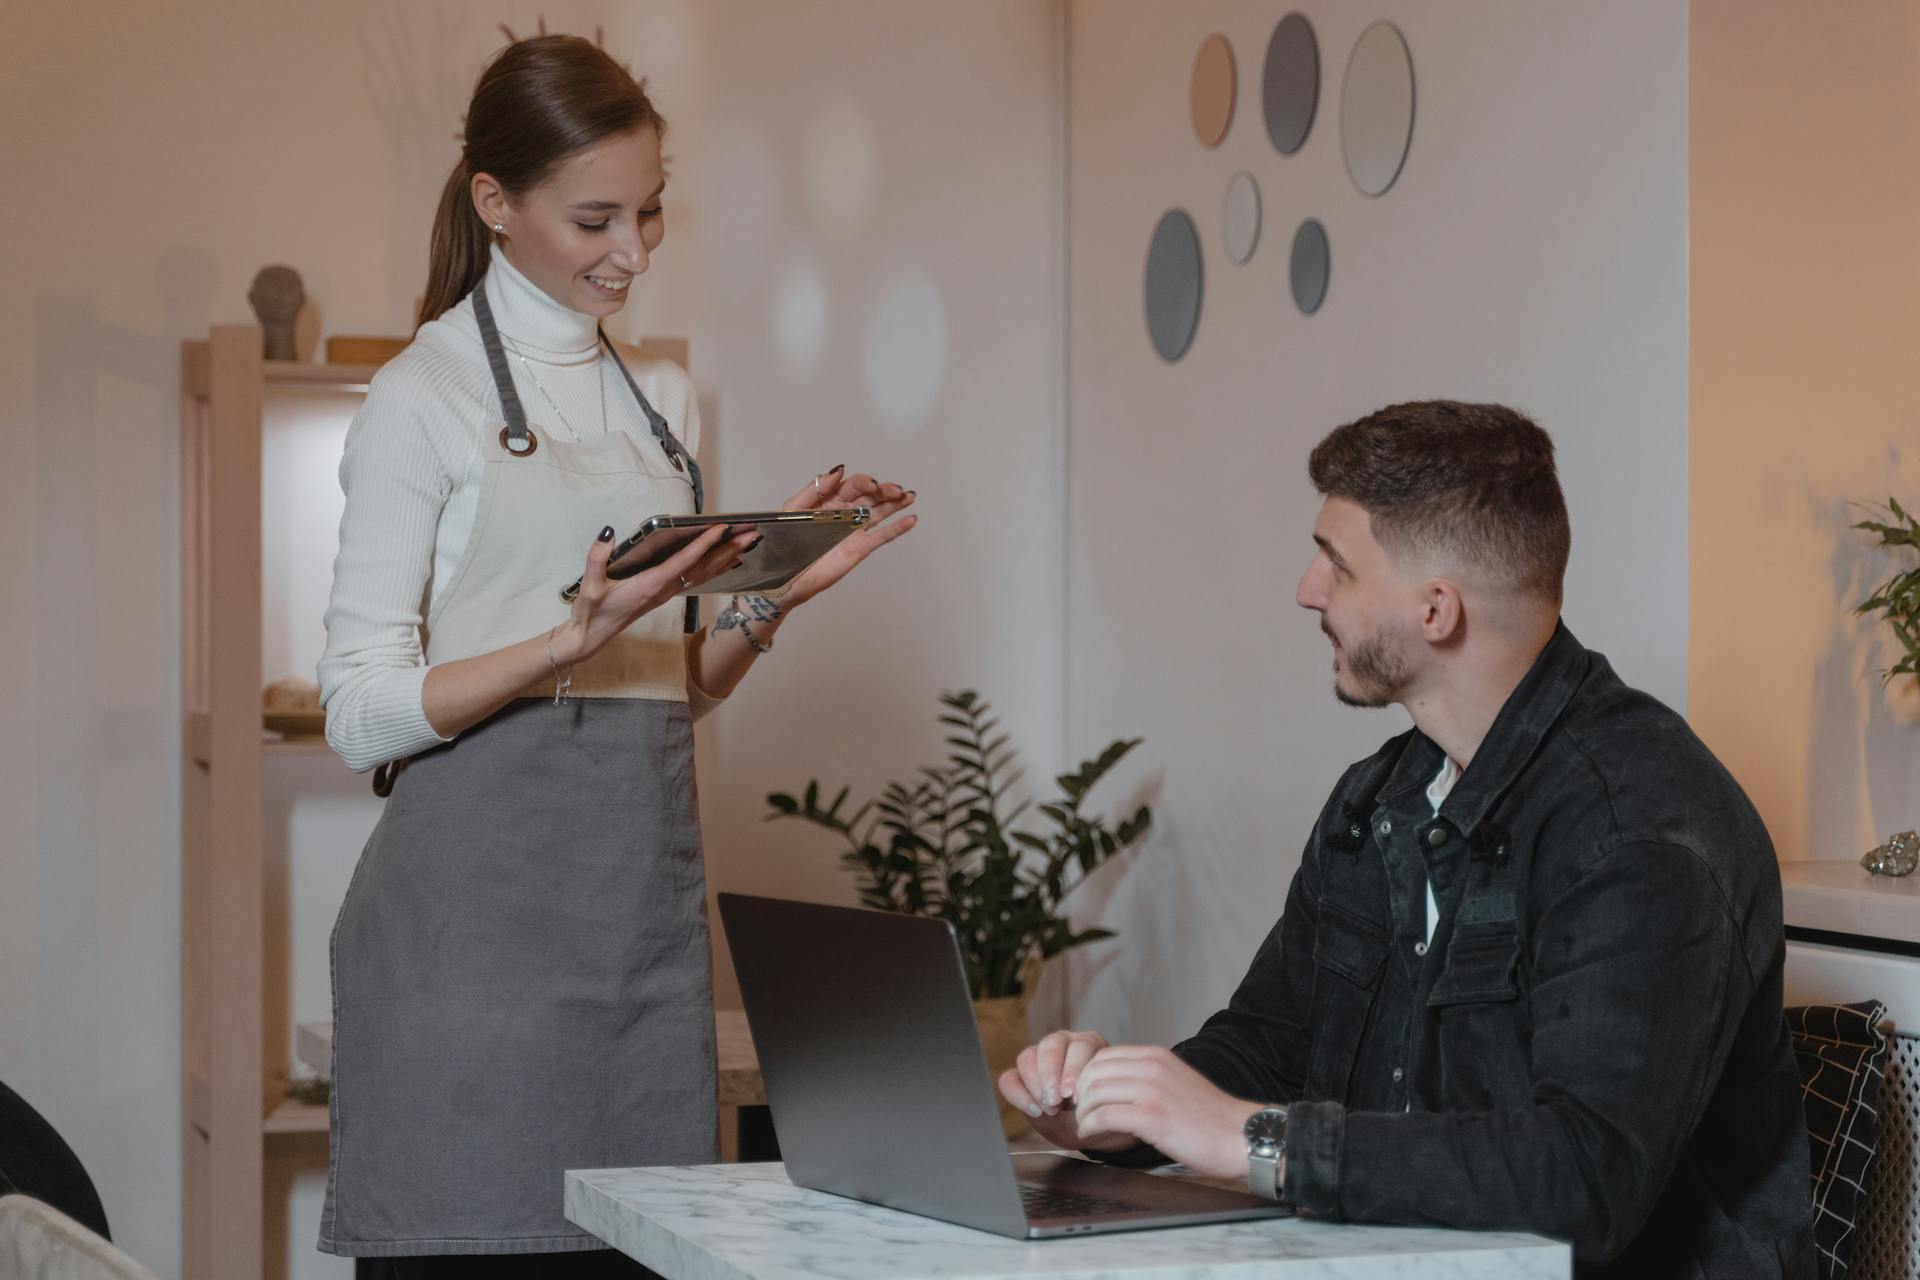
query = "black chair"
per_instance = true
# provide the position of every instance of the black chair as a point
(36, 1161)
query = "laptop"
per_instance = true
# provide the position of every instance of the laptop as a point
(880, 1089)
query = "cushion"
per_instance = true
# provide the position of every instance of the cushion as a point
(1842, 1054)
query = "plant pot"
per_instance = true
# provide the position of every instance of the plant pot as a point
(1003, 1034)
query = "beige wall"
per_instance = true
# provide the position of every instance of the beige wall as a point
(1805, 397)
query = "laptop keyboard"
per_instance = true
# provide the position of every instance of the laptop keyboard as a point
(1051, 1202)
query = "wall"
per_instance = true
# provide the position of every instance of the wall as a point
(1533, 252)
(864, 252)
(1805, 279)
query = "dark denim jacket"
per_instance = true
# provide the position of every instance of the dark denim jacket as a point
(1592, 1047)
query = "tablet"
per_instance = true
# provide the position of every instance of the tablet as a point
(792, 540)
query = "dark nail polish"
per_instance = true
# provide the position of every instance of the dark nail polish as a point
(837, 468)
(606, 534)
(911, 492)
(756, 542)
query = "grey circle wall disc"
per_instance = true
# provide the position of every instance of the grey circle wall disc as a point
(1376, 108)
(1310, 266)
(1173, 284)
(1240, 217)
(1290, 83)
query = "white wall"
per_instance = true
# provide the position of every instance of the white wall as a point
(906, 157)
(1533, 251)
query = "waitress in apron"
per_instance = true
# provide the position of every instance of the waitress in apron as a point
(521, 974)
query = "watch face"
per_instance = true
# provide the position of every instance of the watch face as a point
(1266, 1128)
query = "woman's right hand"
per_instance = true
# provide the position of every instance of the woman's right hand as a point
(1044, 1082)
(604, 608)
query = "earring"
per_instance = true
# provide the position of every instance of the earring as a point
(497, 227)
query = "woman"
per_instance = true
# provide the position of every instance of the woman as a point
(521, 974)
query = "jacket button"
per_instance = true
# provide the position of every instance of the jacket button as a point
(1436, 836)
(1398, 1075)
(1386, 827)
(1419, 948)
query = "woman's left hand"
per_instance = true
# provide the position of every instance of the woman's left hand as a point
(836, 488)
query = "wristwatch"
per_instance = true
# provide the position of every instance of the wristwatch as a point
(1266, 1135)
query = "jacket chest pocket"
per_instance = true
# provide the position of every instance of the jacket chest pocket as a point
(1349, 954)
(1484, 1034)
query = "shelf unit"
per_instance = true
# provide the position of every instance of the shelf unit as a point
(231, 1103)
(232, 1107)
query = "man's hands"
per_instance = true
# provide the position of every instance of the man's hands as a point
(1082, 1093)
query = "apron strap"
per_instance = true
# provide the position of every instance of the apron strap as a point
(516, 439)
(676, 454)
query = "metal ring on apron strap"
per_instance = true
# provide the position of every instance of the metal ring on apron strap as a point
(519, 442)
(514, 437)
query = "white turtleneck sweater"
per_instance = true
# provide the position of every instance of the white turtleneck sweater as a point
(412, 473)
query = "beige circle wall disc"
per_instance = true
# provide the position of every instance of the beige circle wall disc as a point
(1213, 90)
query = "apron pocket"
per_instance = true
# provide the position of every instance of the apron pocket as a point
(456, 1118)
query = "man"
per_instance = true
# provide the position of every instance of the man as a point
(1529, 971)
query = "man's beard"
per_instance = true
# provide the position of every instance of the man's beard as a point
(1376, 668)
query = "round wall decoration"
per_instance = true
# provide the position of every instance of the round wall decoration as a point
(1173, 284)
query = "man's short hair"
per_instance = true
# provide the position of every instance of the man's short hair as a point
(1470, 482)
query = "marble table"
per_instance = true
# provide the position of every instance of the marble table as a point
(745, 1221)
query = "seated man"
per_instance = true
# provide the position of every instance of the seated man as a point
(1528, 974)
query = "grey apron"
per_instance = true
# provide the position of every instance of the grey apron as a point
(521, 978)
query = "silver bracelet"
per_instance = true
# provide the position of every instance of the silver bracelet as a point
(732, 617)
(562, 685)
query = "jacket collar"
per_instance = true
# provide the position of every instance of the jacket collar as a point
(1530, 711)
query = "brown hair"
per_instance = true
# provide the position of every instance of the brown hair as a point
(1476, 481)
(539, 101)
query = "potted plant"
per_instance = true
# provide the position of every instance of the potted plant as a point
(944, 845)
(1898, 602)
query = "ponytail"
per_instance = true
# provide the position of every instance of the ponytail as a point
(458, 258)
(538, 102)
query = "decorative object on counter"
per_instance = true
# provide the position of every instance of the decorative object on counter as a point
(945, 846)
(292, 707)
(1898, 602)
(313, 1090)
(357, 349)
(1897, 857)
(277, 296)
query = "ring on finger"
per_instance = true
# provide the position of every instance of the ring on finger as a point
(816, 486)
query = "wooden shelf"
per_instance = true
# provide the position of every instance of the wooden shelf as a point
(296, 747)
(317, 377)
(197, 742)
(740, 1084)
(294, 1117)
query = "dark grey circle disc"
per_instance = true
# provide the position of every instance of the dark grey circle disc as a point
(1309, 266)
(1290, 85)
(1173, 284)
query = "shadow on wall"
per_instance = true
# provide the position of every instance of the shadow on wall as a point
(1152, 984)
(418, 64)
(1862, 768)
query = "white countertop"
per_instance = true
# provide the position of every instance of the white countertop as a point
(1843, 897)
(745, 1221)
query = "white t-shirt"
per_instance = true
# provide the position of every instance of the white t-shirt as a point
(1437, 792)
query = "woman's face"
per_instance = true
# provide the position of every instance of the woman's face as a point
(589, 229)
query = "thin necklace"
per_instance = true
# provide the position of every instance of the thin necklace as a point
(600, 375)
